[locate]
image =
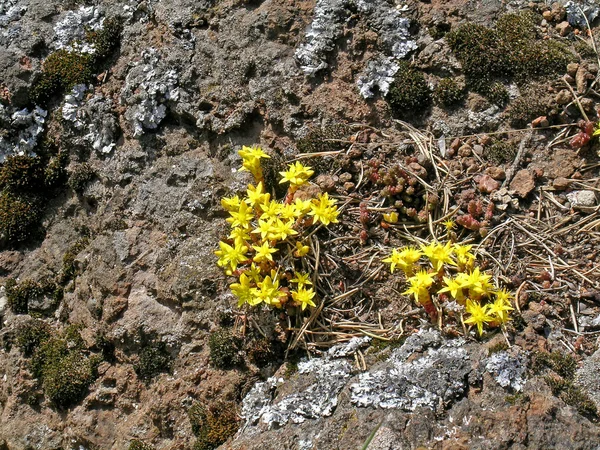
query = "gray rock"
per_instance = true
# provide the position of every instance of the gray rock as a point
(582, 199)
(377, 77)
(508, 370)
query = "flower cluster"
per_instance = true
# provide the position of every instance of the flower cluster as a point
(266, 233)
(451, 282)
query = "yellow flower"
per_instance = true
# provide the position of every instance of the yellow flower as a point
(231, 203)
(257, 195)
(304, 297)
(239, 235)
(242, 290)
(270, 210)
(478, 283)
(391, 217)
(301, 279)
(266, 229)
(301, 206)
(289, 212)
(296, 175)
(242, 217)
(284, 229)
(251, 157)
(500, 309)
(463, 257)
(231, 256)
(438, 254)
(449, 224)
(324, 210)
(597, 130)
(263, 252)
(301, 250)
(406, 259)
(268, 291)
(455, 288)
(254, 273)
(419, 285)
(479, 315)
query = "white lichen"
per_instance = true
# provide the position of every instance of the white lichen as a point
(72, 103)
(21, 130)
(149, 86)
(10, 11)
(69, 32)
(319, 399)
(394, 34)
(577, 12)
(429, 381)
(377, 77)
(508, 370)
(391, 27)
(320, 37)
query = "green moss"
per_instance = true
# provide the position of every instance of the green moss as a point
(326, 139)
(561, 363)
(448, 92)
(499, 347)
(153, 360)
(63, 69)
(573, 396)
(31, 334)
(500, 152)
(19, 217)
(518, 398)
(20, 294)
(512, 50)
(532, 104)
(213, 424)
(64, 369)
(225, 349)
(497, 94)
(139, 445)
(262, 352)
(22, 174)
(106, 40)
(69, 268)
(55, 173)
(81, 176)
(409, 94)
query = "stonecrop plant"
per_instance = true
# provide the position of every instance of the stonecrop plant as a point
(268, 240)
(444, 278)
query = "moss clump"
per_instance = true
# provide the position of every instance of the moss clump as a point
(448, 92)
(409, 93)
(561, 363)
(326, 139)
(573, 396)
(81, 176)
(139, 445)
(562, 381)
(105, 40)
(25, 182)
(225, 348)
(61, 71)
(64, 369)
(69, 268)
(64, 69)
(513, 49)
(500, 152)
(22, 174)
(31, 334)
(19, 217)
(531, 105)
(213, 424)
(499, 347)
(262, 352)
(497, 94)
(153, 360)
(19, 295)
